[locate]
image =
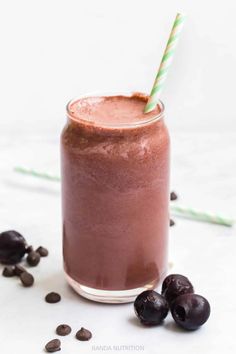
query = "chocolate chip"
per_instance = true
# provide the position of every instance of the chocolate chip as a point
(42, 251)
(53, 346)
(8, 272)
(173, 196)
(18, 269)
(27, 279)
(33, 259)
(172, 223)
(63, 330)
(52, 298)
(83, 334)
(29, 249)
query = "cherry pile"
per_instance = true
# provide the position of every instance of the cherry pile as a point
(189, 310)
(13, 248)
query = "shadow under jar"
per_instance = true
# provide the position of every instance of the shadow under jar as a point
(115, 196)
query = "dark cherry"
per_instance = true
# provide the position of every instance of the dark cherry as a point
(190, 311)
(175, 285)
(151, 308)
(12, 247)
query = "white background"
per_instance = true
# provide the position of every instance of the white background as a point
(52, 51)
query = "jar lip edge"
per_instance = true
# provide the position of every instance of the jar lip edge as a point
(114, 125)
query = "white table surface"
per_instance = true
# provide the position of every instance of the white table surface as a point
(203, 174)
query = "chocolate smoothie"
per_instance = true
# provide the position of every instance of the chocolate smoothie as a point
(115, 192)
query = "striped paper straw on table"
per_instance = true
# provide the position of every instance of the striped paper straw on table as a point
(199, 215)
(165, 63)
(174, 209)
(35, 173)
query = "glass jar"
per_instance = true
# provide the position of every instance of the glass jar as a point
(115, 197)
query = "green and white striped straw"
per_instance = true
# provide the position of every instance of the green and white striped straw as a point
(165, 63)
(199, 215)
(174, 209)
(38, 174)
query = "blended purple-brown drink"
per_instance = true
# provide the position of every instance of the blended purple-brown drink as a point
(115, 193)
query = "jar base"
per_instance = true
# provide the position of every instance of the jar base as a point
(108, 296)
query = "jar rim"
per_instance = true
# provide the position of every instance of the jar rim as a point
(113, 125)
